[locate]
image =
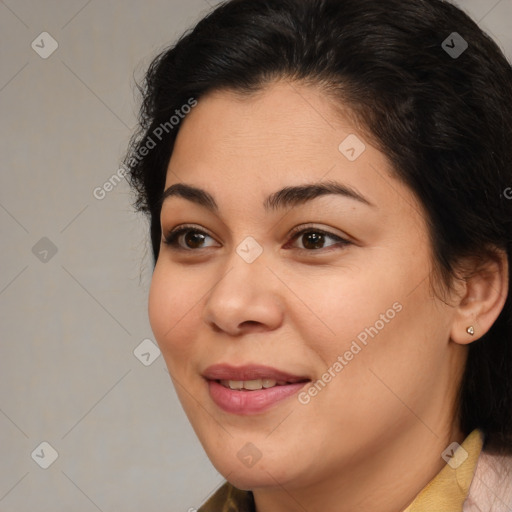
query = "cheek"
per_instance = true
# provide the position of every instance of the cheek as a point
(376, 318)
(344, 304)
(172, 309)
(392, 352)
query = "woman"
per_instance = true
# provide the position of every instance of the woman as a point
(326, 182)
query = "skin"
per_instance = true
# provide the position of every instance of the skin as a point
(372, 438)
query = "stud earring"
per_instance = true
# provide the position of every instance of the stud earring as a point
(470, 330)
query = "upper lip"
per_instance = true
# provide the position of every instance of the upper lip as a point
(249, 372)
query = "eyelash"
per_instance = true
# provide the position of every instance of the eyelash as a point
(171, 239)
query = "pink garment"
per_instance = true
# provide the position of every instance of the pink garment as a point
(491, 487)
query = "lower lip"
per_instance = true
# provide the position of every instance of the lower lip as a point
(250, 402)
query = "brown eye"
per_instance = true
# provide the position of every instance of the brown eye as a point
(315, 239)
(187, 238)
(193, 239)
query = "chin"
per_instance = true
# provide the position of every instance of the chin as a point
(248, 479)
(264, 472)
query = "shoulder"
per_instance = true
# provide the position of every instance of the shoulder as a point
(229, 499)
(491, 487)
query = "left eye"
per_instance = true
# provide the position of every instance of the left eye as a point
(312, 239)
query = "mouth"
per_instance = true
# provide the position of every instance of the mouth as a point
(250, 389)
(253, 385)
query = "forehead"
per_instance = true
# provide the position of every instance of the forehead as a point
(278, 126)
(287, 134)
(269, 131)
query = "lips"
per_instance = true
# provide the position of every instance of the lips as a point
(250, 389)
(249, 373)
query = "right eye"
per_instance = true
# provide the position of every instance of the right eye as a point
(192, 237)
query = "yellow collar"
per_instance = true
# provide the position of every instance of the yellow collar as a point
(449, 488)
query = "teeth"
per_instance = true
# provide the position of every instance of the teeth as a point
(251, 385)
(236, 384)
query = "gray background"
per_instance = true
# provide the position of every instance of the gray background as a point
(71, 321)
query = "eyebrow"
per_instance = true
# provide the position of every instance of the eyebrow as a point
(286, 197)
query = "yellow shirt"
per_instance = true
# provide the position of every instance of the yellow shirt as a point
(446, 492)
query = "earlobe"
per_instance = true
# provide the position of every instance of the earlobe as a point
(482, 299)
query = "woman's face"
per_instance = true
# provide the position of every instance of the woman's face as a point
(319, 303)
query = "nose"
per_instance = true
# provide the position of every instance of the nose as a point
(245, 299)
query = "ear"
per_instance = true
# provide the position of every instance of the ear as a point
(481, 296)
